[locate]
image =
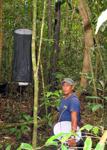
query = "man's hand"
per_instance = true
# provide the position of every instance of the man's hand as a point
(72, 142)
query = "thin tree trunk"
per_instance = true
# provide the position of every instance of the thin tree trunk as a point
(41, 37)
(57, 33)
(55, 53)
(46, 61)
(1, 36)
(36, 69)
(35, 109)
(88, 41)
(49, 19)
(49, 46)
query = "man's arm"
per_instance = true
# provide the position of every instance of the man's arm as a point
(74, 120)
(72, 142)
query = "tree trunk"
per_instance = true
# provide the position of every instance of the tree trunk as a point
(57, 31)
(36, 69)
(35, 109)
(49, 19)
(55, 52)
(88, 42)
(47, 57)
(1, 36)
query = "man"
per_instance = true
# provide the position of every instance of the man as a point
(69, 109)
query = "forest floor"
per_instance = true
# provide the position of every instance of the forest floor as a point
(14, 111)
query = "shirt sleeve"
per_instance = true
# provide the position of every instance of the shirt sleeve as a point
(74, 105)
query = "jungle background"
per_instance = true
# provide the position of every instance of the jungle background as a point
(69, 49)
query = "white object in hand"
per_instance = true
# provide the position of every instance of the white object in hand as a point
(65, 127)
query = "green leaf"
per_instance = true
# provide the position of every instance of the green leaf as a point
(102, 84)
(87, 127)
(100, 146)
(63, 147)
(19, 148)
(12, 130)
(93, 97)
(55, 143)
(88, 144)
(27, 117)
(65, 138)
(96, 107)
(1, 146)
(18, 133)
(105, 97)
(95, 130)
(56, 93)
(54, 137)
(48, 94)
(24, 128)
(26, 146)
(8, 147)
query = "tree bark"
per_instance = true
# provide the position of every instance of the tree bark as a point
(88, 42)
(49, 19)
(1, 36)
(47, 57)
(35, 109)
(55, 52)
(57, 31)
(36, 69)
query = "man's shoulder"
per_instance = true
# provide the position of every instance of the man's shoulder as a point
(74, 103)
(74, 98)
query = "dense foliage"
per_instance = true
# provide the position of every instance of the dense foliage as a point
(62, 55)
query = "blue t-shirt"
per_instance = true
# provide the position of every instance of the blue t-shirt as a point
(68, 105)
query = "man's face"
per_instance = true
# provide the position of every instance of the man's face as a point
(67, 88)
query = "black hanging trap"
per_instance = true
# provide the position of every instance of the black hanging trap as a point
(22, 64)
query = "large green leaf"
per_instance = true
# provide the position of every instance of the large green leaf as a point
(8, 147)
(88, 144)
(25, 146)
(63, 147)
(52, 138)
(100, 146)
(65, 138)
(87, 127)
